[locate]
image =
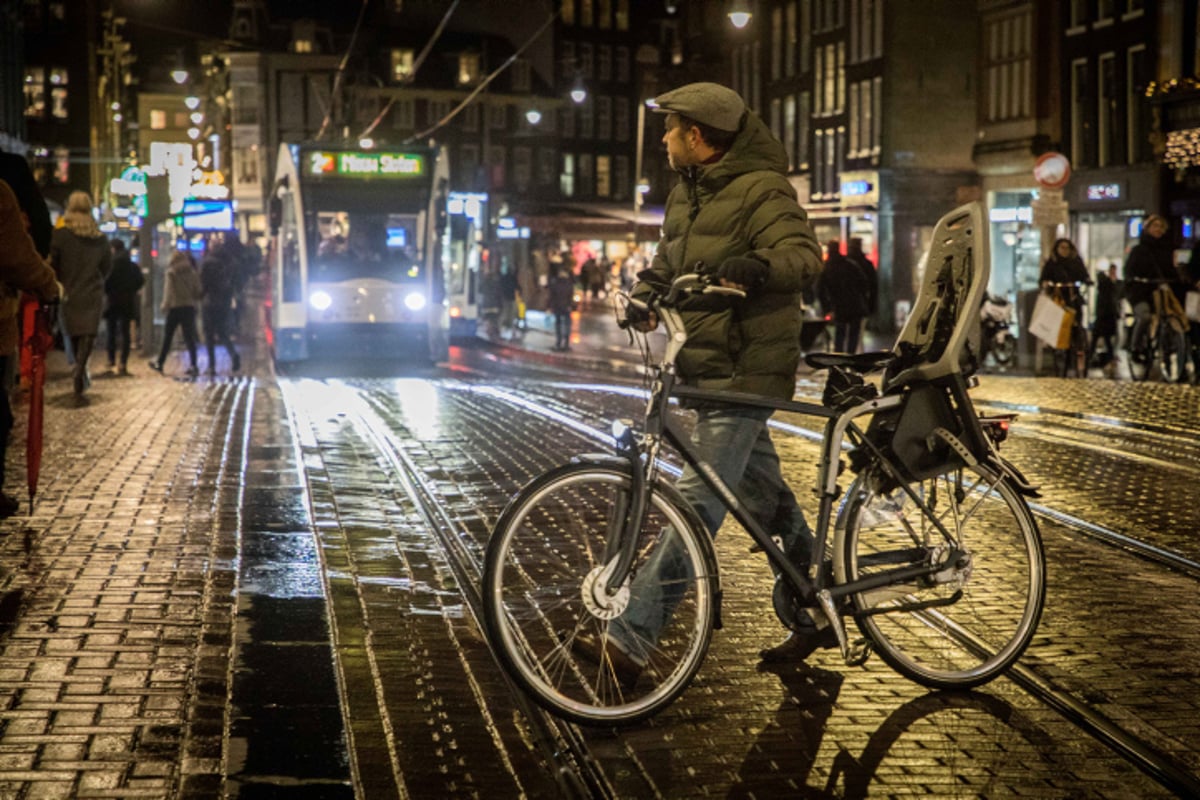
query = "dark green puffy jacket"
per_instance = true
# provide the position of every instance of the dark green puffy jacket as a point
(741, 205)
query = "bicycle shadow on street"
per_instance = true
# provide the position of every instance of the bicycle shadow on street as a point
(932, 720)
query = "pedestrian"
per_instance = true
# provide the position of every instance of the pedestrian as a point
(15, 171)
(735, 212)
(561, 293)
(509, 288)
(81, 257)
(1150, 263)
(490, 300)
(854, 252)
(21, 269)
(121, 305)
(1104, 323)
(218, 283)
(181, 293)
(844, 291)
(1063, 277)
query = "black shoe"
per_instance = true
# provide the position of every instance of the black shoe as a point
(8, 505)
(193, 372)
(623, 666)
(799, 645)
(157, 367)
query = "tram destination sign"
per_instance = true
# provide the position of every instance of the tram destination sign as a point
(363, 164)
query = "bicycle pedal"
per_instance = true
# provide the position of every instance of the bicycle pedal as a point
(857, 652)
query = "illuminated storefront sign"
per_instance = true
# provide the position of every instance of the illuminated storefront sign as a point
(1104, 191)
(364, 165)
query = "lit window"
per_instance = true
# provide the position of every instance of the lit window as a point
(35, 92)
(468, 68)
(402, 65)
(58, 102)
(158, 119)
(302, 46)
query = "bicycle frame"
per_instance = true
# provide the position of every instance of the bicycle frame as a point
(811, 588)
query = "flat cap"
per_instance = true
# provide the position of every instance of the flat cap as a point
(707, 103)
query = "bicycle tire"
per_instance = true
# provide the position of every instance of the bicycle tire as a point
(1172, 352)
(1003, 350)
(973, 637)
(1141, 361)
(543, 561)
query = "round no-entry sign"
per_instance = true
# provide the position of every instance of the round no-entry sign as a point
(1052, 170)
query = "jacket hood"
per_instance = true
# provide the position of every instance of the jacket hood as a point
(755, 148)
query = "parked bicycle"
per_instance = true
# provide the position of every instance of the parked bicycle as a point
(1074, 355)
(931, 551)
(1158, 343)
(996, 336)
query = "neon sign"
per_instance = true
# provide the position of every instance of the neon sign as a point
(364, 165)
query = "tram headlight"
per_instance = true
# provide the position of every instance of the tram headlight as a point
(320, 300)
(414, 301)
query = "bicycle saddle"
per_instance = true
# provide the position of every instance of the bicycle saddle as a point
(855, 362)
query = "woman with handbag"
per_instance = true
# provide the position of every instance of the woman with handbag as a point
(1063, 277)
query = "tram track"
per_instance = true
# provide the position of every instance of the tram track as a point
(1160, 766)
(561, 744)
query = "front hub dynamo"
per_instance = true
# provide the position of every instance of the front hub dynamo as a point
(598, 601)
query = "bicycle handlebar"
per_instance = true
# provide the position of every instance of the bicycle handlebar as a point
(692, 283)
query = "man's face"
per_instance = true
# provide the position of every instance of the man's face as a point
(680, 153)
(1156, 228)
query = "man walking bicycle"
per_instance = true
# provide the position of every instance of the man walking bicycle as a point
(733, 213)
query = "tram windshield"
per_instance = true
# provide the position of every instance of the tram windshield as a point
(360, 244)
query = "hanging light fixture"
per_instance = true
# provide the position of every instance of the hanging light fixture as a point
(533, 116)
(740, 13)
(578, 92)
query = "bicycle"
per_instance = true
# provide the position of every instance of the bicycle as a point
(1075, 353)
(1158, 344)
(942, 604)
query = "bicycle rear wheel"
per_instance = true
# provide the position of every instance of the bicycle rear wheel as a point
(547, 614)
(972, 620)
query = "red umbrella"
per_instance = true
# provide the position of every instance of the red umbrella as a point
(40, 341)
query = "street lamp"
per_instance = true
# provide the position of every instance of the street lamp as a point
(637, 158)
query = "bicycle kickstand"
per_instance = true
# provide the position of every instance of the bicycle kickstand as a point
(854, 653)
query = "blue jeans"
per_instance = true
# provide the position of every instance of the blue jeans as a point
(736, 443)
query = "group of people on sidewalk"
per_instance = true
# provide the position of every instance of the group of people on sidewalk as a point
(1149, 269)
(212, 289)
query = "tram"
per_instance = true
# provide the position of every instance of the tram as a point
(357, 261)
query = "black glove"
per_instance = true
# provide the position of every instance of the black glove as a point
(748, 272)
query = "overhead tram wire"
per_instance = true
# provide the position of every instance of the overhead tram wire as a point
(420, 59)
(341, 72)
(483, 84)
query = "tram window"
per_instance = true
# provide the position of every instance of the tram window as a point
(356, 244)
(292, 289)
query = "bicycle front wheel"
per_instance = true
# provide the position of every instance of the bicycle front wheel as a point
(970, 621)
(566, 639)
